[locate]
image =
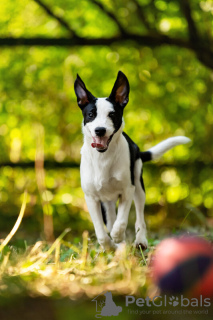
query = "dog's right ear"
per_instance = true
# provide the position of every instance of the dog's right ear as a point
(120, 91)
(82, 94)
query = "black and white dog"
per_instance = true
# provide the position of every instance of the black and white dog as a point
(111, 164)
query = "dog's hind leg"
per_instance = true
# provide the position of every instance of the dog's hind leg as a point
(109, 213)
(139, 199)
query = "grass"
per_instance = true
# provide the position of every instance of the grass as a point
(63, 269)
(74, 271)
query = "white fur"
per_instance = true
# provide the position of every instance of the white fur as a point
(158, 150)
(106, 177)
(139, 199)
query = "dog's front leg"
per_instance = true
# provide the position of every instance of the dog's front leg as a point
(119, 228)
(94, 208)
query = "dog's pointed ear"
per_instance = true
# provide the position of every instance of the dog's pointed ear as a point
(120, 91)
(82, 94)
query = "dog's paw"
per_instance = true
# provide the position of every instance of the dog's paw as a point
(141, 242)
(118, 233)
(107, 244)
(118, 237)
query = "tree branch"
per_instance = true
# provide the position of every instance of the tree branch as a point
(61, 21)
(202, 48)
(142, 16)
(203, 52)
(52, 164)
(186, 9)
(144, 40)
(48, 164)
(110, 15)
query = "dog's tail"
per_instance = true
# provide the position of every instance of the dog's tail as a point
(162, 147)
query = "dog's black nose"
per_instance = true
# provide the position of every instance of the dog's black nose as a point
(100, 131)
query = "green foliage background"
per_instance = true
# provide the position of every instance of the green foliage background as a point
(171, 94)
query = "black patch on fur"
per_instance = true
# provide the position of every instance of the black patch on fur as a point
(88, 111)
(146, 156)
(141, 181)
(116, 116)
(134, 155)
(103, 211)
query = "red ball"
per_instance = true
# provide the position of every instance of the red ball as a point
(184, 265)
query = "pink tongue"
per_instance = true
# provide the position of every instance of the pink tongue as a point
(97, 145)
(99, 142)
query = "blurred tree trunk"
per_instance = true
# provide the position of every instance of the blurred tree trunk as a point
(40, 178)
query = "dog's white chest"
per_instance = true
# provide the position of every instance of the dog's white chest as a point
(101, 184)
(108, 190)
(105, 178)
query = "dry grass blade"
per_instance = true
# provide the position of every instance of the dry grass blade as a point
(45, 255)
(17, 224)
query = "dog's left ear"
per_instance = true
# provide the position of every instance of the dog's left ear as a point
(83, 95)
(120, 91)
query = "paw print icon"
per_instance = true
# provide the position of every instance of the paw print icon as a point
(173, 301)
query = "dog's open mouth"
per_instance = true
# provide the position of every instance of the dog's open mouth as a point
(101, 143)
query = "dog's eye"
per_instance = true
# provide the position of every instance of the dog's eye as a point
(111, 114)
(90, 114)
